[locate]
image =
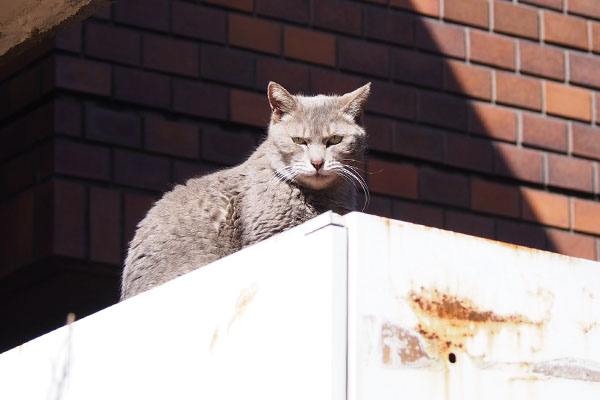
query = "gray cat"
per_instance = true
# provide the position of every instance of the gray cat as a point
(306, 166)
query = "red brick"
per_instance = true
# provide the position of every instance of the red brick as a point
(398, 180)
(516, 20)
(112, 43)
(389, 26)
(326, 81)
(67, 118)
(169, 137)
(291, 10)
(226, 147)
(427, 7)
(521, 234)
(586, 141)
(378, 205)
(588, 8)
(24, 89)
(568, 101)
(443, 187)
(555, 4)
(184, 170)
(380, 132)
(392, 100)
(545, 208)
(322, 50)
(542, 60)
(340, 16)
(565, 30)
(492, 121)
(596, 37)
(494, 198)
(249, 108)
(151, 14)
(81, 160)
(141, 87)
(292, 76)
(518, 91)
(470, 224)
(199, 22)
(544, 132)
(584, 69)
(571, 244)
(23, 229)
(586, 216)
(105, 226)
(418, 213)
(227, 65)
(69, 39)
(518, 163)
(141, 170)
(112, 127)
(570, 173)
(467, 79)
(68, 220)
(135, 208)
(469, 12)
(417, 68)
(79, 75)
(159, 53)
(440, 38)
(352, 57)
(243, 5)
(442, 110)
(487, 48)
(255, 34)
(418, 142)
(200, 99)
(467, 152)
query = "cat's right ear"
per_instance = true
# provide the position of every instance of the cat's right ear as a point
(280, 100)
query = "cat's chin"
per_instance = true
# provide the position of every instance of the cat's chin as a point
(317, 181)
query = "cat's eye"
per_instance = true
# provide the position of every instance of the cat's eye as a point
(298, 140)
(335, 139)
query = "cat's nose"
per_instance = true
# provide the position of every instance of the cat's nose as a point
(317, 164)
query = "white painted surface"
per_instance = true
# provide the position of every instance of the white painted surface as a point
(269, 322)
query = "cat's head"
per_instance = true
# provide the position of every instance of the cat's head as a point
(316, 140)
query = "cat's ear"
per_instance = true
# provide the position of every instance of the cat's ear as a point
(281, 101)
(354, 102)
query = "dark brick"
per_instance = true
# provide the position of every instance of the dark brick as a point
(159, 53)
(443, 187)
(292, 10)
(389, 26)
(440, 38)
(112, 126)
(363, 57)
(398, 180)
(418, 142)
(184, 170)
(81, 160)
(325, 81)
(520, 234)
(173, 138)
(67, 118)
(70, 38)
(492, 121)
(249, 108)
(426, 7)
(571, 244)
(495, 198)
(336, 15)
(392, 100)
(225, 147)
(68, 220)
(293, 77)
(141, 170)
(242, 5)
(7, 237)
(470, 224)
(442, 110)
(79, 75)
(378, 205)
(19, 173)
(255, 34)
(105, 225)
(417, 68)
(136, 206)
(200, 99)
(140, 87)
(199, 22)
(545, 132)
(23, 229)
(112, 43)
(570, 173)
(418, 213)
(321, 51)
(469, 80)
(24, 89)
(518, 163)
(467, 152)
(151, 14)
(380, 133)
(227, 65)
(545, 208)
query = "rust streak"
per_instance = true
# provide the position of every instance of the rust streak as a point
(244, 299)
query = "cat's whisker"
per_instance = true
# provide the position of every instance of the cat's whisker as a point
(345, 171)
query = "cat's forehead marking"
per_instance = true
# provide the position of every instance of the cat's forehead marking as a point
(319, 111)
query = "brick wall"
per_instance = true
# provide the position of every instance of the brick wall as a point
(483, 119)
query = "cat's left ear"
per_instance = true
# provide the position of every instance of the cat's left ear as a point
(354, 102)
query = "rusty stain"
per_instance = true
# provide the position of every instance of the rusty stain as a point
(214, 339)
(448, 321)
(244, 299)
(401, 346)
(567, 368)
(587, 328)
